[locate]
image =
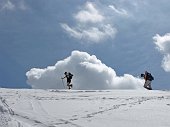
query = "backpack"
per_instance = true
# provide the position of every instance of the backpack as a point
(70, 75)
(150, 77)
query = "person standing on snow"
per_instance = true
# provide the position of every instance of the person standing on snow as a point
(69, 76)
(148, 79)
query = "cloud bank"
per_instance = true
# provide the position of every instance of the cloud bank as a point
(163, 45)
(89, 73)
(91, 25)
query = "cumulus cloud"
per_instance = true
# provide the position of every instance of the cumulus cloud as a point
(163, 45)
(89, 73)
(91, 25)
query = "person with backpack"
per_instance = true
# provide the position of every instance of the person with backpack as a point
(148, 79)
(69, 76)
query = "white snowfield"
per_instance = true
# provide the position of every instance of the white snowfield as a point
(84, 108)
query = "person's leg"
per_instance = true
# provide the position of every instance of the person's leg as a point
(68, 83)
(147, 84)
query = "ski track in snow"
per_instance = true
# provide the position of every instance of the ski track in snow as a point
(71, 108)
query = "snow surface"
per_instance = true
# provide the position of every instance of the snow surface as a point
(84, 108)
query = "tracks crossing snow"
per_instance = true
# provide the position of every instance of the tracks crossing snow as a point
(62, 108)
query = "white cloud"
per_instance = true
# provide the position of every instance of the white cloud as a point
(118, 10)
(89, 73)
(8, 5)
(89, 14)
(163, 45)
(166, 63)
(91, 34)
(72, 31)
(91, 26)
(11, 6)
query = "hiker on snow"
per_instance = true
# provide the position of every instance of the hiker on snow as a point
(148, 79)
(69, 76)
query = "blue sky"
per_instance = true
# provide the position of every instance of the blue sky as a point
(129, 36)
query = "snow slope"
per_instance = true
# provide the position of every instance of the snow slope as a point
(81, 108)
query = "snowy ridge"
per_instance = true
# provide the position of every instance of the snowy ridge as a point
(84, 108)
